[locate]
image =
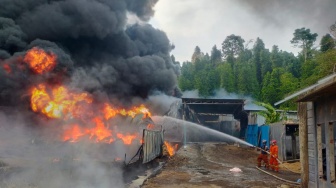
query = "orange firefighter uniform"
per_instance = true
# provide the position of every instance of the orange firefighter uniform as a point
(274, 165)
(263, 155)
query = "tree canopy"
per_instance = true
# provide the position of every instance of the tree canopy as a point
(265, 75)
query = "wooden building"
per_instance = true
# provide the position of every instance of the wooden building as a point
(317, 121)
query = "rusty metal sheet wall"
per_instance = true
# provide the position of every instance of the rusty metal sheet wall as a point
(152, 147)
(278, 133)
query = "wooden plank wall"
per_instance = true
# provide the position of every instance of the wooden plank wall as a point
(303, 134)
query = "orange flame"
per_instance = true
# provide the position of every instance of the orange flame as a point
(40, 61)
(57, 103)
(110, 112)
(128, 138)
(73, 133)
(60, 102)
(171, 149)
(101, 132)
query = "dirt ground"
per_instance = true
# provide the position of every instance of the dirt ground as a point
(208, 165)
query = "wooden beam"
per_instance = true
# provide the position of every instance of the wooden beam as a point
(303, 135)
(331, 145)
(319, 150)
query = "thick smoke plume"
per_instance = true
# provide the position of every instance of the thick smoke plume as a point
(98, 52)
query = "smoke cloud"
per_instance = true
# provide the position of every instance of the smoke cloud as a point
(98, 51)
(93, 41)
(281, 14)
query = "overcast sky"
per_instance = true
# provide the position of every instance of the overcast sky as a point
(205, 23)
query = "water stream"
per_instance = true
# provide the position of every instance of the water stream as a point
(177, 130)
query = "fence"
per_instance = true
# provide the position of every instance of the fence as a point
(152, 145)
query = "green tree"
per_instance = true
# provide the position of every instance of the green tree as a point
(216, 55)
(304, 39)
(226, 77)
(247, 83)
(271, 115)
(266, 64)
(276, 57)
(270, 91)
(326, 63)
(196, 55)
(232, 46)
(288, 83)
(206, 81)
(258, 48)
(291, 64)
(186, 80)
(327, 43)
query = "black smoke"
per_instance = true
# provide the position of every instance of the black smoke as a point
(97, 50)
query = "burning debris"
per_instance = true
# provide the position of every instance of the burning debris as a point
(78, 72)
(171, 149)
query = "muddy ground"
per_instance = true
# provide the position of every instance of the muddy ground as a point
(208, 165)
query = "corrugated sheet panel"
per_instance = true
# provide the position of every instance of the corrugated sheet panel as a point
(152, 147)
(252, 134)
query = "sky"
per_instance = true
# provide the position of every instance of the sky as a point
(205, 23)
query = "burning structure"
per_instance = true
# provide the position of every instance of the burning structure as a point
(79, 71)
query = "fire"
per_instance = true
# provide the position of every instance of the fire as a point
(171, 149)
(60, 102)
(40, 61)
(110, 111)
(101, 132)
(128, 138)
(73, 134)
(57, 102)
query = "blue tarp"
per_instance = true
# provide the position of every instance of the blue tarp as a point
(255, 134)
(252, 134)
(264, 132)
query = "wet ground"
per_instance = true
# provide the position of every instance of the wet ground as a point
(208, 165)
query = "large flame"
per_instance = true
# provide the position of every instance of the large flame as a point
(92, 120)
(110, 111)
(60, 102)
(40, 61)
(57, 102)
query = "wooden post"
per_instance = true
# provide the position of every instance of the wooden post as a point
(319, 151)
(331, 146)
(303, 135)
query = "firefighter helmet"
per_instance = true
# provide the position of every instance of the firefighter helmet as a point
(273, 141)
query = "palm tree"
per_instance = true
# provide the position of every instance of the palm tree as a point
(270, 113)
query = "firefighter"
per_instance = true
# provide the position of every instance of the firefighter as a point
(263, 155)
(274, 156)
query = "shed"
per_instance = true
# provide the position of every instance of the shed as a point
(224, 115)
(317, 117)
(286, 134)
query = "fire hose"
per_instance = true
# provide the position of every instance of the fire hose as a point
(281, 162)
